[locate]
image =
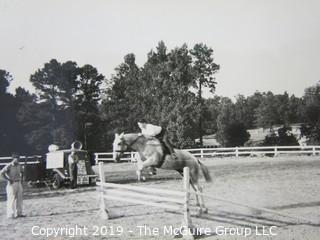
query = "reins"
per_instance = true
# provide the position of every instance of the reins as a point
(129, 145)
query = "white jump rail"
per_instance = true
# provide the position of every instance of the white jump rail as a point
(232, 151)
(160, 198)
(299, 219)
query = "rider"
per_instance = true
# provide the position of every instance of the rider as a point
(159, 133)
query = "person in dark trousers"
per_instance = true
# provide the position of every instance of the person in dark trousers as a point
(73, 168)
(13, 173)
(163, 137)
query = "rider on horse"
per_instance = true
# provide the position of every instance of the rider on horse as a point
(160, 133)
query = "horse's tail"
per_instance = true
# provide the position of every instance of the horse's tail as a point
(205, 172)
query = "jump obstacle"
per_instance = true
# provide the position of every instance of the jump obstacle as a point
(168, 199)
(162, 198)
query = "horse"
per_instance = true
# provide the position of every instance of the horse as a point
(152, 155)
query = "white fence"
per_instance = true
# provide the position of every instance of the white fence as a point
(23, 160)
(234, 151)
(108, 157)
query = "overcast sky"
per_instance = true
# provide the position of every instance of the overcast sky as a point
(260, 45)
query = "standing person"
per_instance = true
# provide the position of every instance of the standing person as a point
(12, 172)
(73, 167)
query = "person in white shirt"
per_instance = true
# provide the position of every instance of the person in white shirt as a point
(12, 172)
(73, 168)
(160, 133)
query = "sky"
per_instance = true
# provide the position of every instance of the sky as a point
(264, 45)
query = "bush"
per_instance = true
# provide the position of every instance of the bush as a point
(284, 137)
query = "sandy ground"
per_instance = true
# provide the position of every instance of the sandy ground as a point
(286, 184)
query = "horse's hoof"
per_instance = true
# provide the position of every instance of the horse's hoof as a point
(205, 210)
(198, 211)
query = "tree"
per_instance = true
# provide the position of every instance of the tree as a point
(204, 68)
(231, 131)
(226, 115)
(25, 102)
(159, 93)
(70, 96)
(311, 112)
(121, 106)
(5, 79)
(87, 100)
(174, 106)
(8, 123)
(267, 113)
(243, 113)
(236, 134)
(210, 114)
(278, 109)
(284, 137)
(47, 82)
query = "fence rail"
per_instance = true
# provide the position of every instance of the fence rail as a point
(23, 160)
(232, 151)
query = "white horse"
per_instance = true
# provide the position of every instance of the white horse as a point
(152, 155)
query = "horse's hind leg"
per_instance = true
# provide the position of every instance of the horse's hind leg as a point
(199, 198)
(203, 208)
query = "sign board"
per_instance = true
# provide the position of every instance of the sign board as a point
(55, 159)
(82, 180)
(82, 170)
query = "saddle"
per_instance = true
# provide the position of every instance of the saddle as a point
(156, 142)
(153, 141)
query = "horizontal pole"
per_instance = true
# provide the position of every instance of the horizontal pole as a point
(302, 219)
(149, 203)
(142, 189)
(141, 195)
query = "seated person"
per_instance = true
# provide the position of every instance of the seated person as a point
(160, 133)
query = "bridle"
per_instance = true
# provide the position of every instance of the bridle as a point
(128, 145)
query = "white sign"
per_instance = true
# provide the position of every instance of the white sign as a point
(55, 160)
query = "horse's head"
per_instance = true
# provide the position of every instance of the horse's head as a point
(119, 146)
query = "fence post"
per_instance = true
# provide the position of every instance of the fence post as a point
(237, 152)
(313, 150)
(275, 151)
(105, 213)
(201, 153)
(103, 210)
(96, 158)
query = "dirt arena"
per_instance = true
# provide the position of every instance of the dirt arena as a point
(286, 184)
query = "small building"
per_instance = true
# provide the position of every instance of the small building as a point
(209, 141)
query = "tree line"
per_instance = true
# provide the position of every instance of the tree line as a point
(74, 102)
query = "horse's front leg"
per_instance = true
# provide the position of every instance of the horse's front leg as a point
(139, 171)
(150, 162)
